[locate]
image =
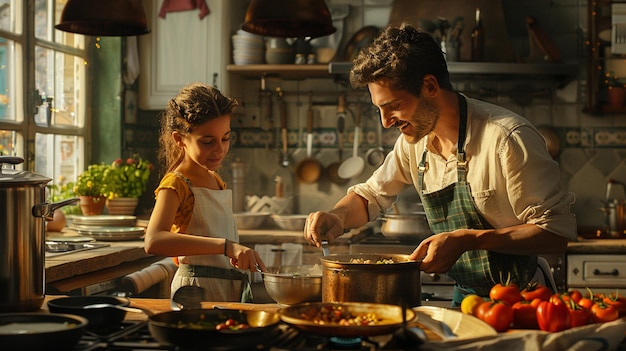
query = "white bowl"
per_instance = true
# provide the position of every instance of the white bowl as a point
(290, 222)
(250, 220)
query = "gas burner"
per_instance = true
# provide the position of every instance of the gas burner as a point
(136, 336)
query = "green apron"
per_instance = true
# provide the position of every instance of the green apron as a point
(451, 208)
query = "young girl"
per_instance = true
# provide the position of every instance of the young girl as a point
(192, 217)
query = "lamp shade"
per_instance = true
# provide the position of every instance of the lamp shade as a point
(289, 18)
(104, 18)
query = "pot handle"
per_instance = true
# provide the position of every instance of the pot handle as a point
(14, 160)
(46, 209)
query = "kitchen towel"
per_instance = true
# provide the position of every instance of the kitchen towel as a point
(184, 5)
(592, 337)
(155, 273)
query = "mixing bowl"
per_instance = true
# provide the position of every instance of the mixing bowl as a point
(290, 285)
(250, 220)
(290, 222)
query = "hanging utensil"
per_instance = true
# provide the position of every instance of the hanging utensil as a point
(353, 166)
(375, 156)
(309, 169)
(282, 108)
(333, 168)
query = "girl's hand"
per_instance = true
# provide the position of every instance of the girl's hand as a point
(245, 258)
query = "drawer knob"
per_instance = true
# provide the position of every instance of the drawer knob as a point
(614, 272)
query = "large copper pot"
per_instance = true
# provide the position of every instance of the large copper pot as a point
(346, 280)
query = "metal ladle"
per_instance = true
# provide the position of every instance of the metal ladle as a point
(353, 166)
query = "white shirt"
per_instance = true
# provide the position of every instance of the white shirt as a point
(512, 177)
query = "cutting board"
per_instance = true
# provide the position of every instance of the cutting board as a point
(497, 43)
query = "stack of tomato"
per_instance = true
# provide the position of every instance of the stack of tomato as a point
(536, 307)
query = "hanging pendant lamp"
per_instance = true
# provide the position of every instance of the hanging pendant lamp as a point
(289, 18)
(104, 18)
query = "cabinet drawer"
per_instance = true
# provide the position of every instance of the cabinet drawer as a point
(607, 271)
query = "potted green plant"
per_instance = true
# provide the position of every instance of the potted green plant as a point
(126, 181)
(91, 189)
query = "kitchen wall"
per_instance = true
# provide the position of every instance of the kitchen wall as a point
(586, 165)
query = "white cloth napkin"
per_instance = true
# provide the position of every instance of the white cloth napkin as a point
(599, 336)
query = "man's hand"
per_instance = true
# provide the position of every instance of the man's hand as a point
(439, 252)
(322, 226)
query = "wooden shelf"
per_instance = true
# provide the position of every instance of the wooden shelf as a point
(562, 73)
(296, 72)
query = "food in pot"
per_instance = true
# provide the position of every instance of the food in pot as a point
(338, 315)
(368, 261)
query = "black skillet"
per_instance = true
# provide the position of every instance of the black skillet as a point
(40, 331)
(182, 329)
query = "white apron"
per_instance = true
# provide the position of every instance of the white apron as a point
(212, 217)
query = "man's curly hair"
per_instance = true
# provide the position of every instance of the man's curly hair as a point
(404, 55)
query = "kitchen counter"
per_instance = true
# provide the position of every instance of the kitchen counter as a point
(601, 246)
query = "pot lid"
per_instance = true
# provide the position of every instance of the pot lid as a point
(12, 177)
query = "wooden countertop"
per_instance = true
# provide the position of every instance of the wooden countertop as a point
(601, 246)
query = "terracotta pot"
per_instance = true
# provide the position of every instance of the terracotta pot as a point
(92, 205)
(57, 223)
(122, 205)
(617, 96)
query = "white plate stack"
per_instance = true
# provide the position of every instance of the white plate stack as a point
(108, 227)
(248, 48)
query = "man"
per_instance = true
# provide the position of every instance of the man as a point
(490, 190)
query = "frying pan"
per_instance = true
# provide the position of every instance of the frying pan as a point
(40, 331)
(170, 329)
(309, 169)
(390, 315)
(98, 317)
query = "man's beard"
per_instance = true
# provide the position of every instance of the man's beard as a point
(423, 122)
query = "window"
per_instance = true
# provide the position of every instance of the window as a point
(42, 89)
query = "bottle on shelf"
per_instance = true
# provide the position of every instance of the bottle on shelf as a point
(478, 39)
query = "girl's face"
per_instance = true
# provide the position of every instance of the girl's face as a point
(209, 143)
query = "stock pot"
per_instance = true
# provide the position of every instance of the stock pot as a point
(409, 225)
(363, 278)
(22, 236)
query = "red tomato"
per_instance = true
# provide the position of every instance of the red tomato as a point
(575, 295)
(601, 313)
(586, 303)
(525, 315)
(497, 314)
(553, 315)
(617, 301)
(505, 292)
(536, 291)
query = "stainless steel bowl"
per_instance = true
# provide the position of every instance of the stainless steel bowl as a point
(290, 222)
(250, 220)
(290, 285)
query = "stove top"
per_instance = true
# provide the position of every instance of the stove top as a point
(135, 335)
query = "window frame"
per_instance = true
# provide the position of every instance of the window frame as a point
(27, 98)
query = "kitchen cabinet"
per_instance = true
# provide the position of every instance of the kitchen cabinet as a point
(600, 273)
(182, 48)
(606, 74)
